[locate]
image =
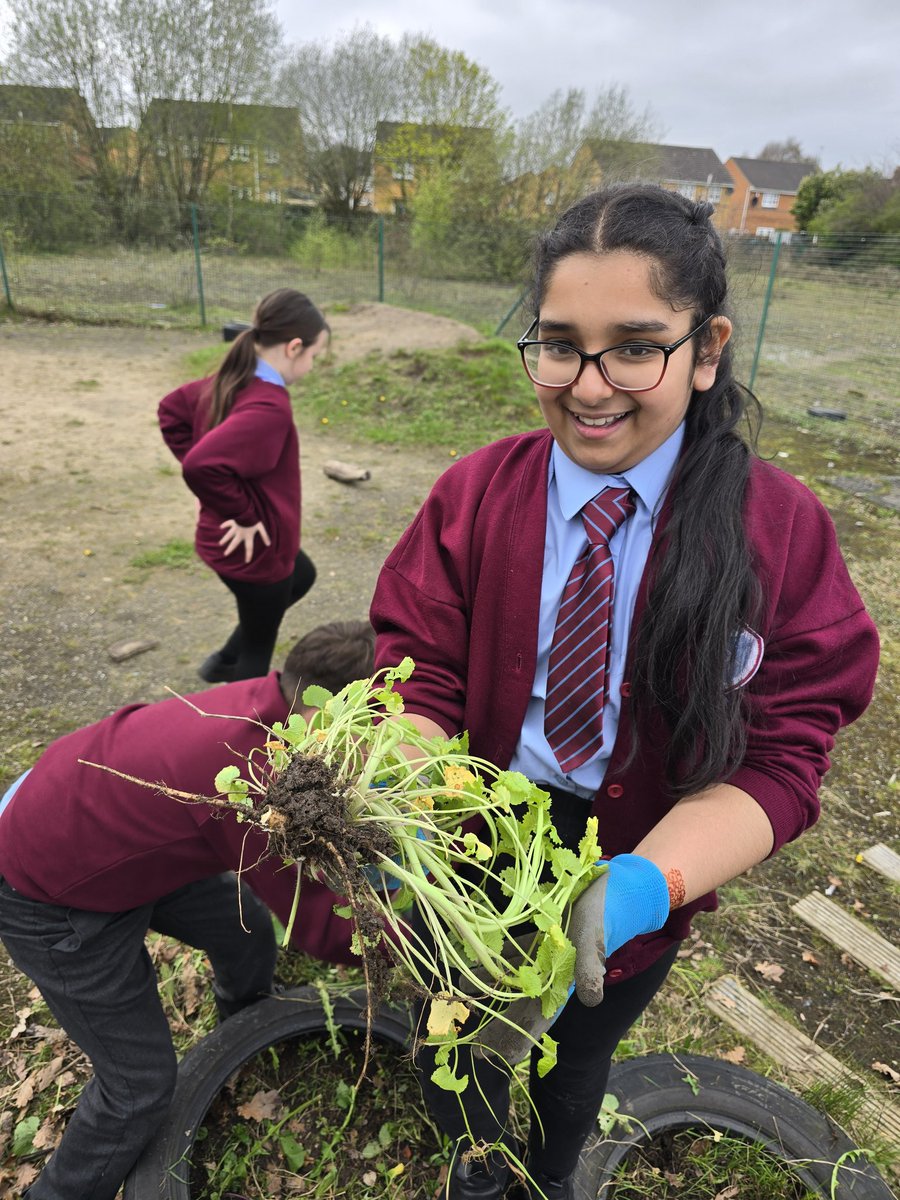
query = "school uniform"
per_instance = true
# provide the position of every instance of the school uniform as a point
(245, 469)
(90, 862)
(461, 594)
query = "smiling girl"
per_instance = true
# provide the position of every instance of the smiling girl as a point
(235, 438)
(641, 616)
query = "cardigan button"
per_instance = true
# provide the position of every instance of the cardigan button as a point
(625, 689)
(615, 973)
(614, 791)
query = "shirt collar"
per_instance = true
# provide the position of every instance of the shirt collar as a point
(648, 479)
(268, 373)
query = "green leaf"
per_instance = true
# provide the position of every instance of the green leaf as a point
(547, 1061)
(528, 980)
(445, 1078)
(386, 1134)
(371, 1150)
(316, 696)
(23, 1136)
(343, 910)
(293, 1153)
(225, 778)
(402, 671)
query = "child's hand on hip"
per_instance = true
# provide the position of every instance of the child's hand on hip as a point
(236, 536)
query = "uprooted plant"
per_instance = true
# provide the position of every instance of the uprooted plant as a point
(475, 918)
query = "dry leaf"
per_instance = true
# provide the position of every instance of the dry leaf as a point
(261, 1107)
(25, 1176)
(444, 1015)
(23, 1096)
(47, 1075)
(369, 1178)
(835, 882)
(770, 971)
(737, 1055)
(728, 1193)
(809, 957)
(47, 1136)
(884, 1069)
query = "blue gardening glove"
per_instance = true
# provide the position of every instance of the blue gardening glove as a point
(388, 883)
(630, 898)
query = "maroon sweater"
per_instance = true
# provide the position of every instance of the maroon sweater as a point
(73, 835)
(460, 594)
(246, 469)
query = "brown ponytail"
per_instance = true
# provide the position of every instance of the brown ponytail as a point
(280, 317)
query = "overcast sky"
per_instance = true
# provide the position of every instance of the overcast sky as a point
(716, 73)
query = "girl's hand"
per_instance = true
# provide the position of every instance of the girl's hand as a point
(242, 535)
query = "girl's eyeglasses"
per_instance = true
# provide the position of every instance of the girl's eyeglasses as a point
(631, 367)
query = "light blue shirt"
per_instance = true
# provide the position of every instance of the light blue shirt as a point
(268, 373)
(569, 488)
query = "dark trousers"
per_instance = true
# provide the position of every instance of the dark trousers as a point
(567, 1100)
(96, 977)
(261, 607)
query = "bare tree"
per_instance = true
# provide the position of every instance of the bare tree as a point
(342, 90)
(558, 149)
(789, 150)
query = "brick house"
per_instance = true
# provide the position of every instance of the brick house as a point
(252, 151)
(764, 194)
(404, 153)
(53, 124)
(696, 172)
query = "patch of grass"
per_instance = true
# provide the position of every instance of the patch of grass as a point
(695, 1162)
(205, 361)
(459, 398)
(176, 553)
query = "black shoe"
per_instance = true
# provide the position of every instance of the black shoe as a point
(479, 1179)
(539, 1186)
(216, 669)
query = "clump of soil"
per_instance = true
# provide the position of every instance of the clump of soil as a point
(311, 821)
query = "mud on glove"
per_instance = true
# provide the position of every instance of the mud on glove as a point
(631, 897)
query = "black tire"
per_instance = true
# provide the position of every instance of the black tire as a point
(666, 1093)
(163, 1170)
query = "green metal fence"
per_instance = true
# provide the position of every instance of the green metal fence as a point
(817, 317)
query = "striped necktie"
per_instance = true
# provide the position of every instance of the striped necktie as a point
(577, 679)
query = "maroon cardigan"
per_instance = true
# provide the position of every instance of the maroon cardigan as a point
(73, 835)
(460, 594)
(246, 469)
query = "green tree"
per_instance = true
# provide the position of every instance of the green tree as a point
(844, 202)
(121, 54)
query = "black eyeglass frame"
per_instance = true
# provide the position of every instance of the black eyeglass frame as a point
(525, 341)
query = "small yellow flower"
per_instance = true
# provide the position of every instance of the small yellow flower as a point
(324, 420)
(344, 403)
(381, 399)
(453, 453)
(276, 746)
(88, 553)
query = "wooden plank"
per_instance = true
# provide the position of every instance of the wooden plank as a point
(884, 860)
(851, 935)
(796, 1053)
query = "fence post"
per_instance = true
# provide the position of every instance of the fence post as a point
(381, 259)
(195, 229)
(511, 313)
(6, 290)
(765, 312)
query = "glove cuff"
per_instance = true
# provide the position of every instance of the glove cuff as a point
(637, 900)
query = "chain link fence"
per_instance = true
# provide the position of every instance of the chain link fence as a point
(817, 316)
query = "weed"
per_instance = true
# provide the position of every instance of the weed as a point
(177, 554)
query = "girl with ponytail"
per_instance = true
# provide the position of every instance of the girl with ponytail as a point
(235, 438)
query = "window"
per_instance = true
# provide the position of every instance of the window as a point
(686, 190)
(404, 171)
(273, 196)
(240, 153)
(242, 193)
(714, 194)
(764, 231)
(272, 156)
(770, 199)
(162, 149)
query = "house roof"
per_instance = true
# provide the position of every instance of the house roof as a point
(675, 164)
(768, 176)
(214, 118)
(40, 105)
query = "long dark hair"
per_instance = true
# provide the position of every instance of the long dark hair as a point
(280, 317)
(703, 585)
